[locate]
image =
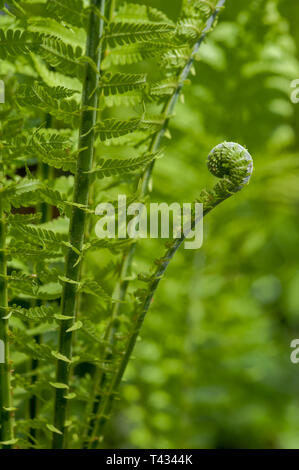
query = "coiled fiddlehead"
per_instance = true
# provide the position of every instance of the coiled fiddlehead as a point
(232, 161)
(234, 165)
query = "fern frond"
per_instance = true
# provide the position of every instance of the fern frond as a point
(110, 128)
(55, 79)
(133, 12)
(15, 42)
(42, 313)
(40, 235)
(163, 88)
(11, 126)
(32, 253)
(32, 348)
(176, 58)
(61, 55)
(23, 219)
(49, 100)
(128, 99)
(23, 283)
(91, 331)
(51, 147)
(58, 225)
(20, 193)
(94, 288)
(134, 53)
(55, 198)
(121, 83)
(134, 139)
(115, 246)
(27, 192)
(54, 148)
(73, 36)
(61, 161)
(125, 33)
(198, 9)
(68, 11)
(158, 16)
(111, 167)
(190, 29)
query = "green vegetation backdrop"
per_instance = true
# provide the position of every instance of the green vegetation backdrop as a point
(213, 368)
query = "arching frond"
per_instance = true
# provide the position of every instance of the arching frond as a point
(14, 42)
(122, 33)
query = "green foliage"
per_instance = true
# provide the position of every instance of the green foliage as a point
(221, 377)
(120, 33)
(112, 84)
(14, 42)
(111, 128)
(49, 100)
(221, 307)
(60, 55)
(71, 10)
(111, 167)
(56, 94)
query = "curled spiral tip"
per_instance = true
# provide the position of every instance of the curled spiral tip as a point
(232, 161)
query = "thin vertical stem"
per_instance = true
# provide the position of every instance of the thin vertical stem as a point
(111, 9)
(6, 413)
(100, 375)
(105, 406)
(78, 216)
(45, 172)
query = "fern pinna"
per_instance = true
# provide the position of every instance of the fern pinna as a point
(84, 119)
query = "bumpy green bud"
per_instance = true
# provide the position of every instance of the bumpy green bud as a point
(231, 161)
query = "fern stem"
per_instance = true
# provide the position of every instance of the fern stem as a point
(111, 9)
(100, 375)
(6, 432)
(234, 165)
(122, 284)
(45, 172)
(78, 216)
(107, 402)
(92, 405)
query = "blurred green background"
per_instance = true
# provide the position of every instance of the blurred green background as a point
(213, 368)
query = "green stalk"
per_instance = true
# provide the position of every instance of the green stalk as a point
(122, 284)
(233, 164)
(92, 405)
(45, 172)
(111, 9)
(78, 217)
(6, 414)
(107, 402)
(100, 375)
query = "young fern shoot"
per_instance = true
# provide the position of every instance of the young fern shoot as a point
(234, 165)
